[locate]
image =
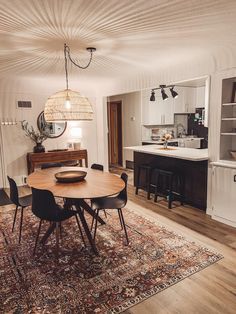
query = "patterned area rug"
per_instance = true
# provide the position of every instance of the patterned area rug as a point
(4, 199)
(120, 277)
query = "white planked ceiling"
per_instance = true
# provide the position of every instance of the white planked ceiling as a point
(131, 36)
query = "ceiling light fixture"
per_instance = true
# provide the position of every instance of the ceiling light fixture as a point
(163, 93)
(68, 105)
(152, 98)
(173, 92)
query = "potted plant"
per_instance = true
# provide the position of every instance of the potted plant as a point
(36, 137)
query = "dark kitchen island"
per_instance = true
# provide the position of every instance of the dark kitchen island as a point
(191, 163)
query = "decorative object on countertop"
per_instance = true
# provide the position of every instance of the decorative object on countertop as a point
(233, 154)
(68, 105)
(36, 137)
(165, 139)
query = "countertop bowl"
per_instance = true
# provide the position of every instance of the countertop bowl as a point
(70, 176)
(233, 154)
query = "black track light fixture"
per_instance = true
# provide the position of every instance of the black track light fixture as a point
(152, 98)
(163, 93)
(173, 92)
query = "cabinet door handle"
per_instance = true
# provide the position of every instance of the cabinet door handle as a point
(235, 178)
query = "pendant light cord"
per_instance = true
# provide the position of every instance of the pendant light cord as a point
(67, 50)
(66, 69)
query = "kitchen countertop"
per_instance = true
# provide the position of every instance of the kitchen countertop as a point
(173, 140)
(191, 154)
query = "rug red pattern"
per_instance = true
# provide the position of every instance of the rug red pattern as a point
(120, 277)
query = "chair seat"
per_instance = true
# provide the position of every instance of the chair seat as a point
(108, 203)
(25, 201)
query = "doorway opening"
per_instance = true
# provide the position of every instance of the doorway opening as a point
(114, 118)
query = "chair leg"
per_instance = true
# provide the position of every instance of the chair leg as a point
(14, 219)
(122, 218)
(60, 228)
(80, 230)
(105, 213)
(57, 239)
(138, 178)
(21, 222)
(121, 223)
(37, 237)
(91, 228)
(96, 224)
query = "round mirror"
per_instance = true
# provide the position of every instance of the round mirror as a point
(52, 129)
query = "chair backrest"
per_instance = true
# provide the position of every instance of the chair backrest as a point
(51, 165)
(97, 167)
(44, 205)
(123, 194)
(14, 196)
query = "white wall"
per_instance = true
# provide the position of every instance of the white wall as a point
(131, 120)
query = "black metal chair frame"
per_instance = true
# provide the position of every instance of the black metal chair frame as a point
(53, 223)
(121, 196)
(20, 202)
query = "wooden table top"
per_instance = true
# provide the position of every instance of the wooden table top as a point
(96, 184)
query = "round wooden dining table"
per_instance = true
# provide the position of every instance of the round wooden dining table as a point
(96, 184)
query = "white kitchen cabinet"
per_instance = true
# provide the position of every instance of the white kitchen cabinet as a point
(179, 102)
(189, 99)
(200, 97)
(158, 112)
(224, 194)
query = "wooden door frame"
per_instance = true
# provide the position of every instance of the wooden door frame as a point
(118, 103)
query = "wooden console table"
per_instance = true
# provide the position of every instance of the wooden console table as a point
(34, 159)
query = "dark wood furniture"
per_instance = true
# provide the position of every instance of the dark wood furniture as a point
(97, 184)
(34, 159)
(194, 175)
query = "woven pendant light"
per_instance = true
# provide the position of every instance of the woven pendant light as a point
(68, 105)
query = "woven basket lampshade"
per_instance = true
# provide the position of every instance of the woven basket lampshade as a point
(67, 105)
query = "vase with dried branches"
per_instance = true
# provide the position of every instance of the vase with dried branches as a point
(36, 136)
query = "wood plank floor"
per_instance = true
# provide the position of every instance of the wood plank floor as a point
(210, 291)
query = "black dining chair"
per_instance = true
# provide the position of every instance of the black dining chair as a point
(45, 207)
(20, 202)
(51, 165)
(97, 167)
(115, 202)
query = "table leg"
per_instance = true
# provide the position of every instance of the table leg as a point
(86, 229)
(48, 233)
(89, 210)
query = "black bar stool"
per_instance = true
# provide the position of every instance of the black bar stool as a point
(147, 173)
(169, 184)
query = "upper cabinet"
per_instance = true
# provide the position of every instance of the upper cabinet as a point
(189, 99)
(192, 94)
(158, 112)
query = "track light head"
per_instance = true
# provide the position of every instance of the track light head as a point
(163, 94)
(173, 92)
(152, 97)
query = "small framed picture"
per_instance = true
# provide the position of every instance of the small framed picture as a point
(233, 98)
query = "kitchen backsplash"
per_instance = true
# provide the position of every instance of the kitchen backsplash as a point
(160, 130)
